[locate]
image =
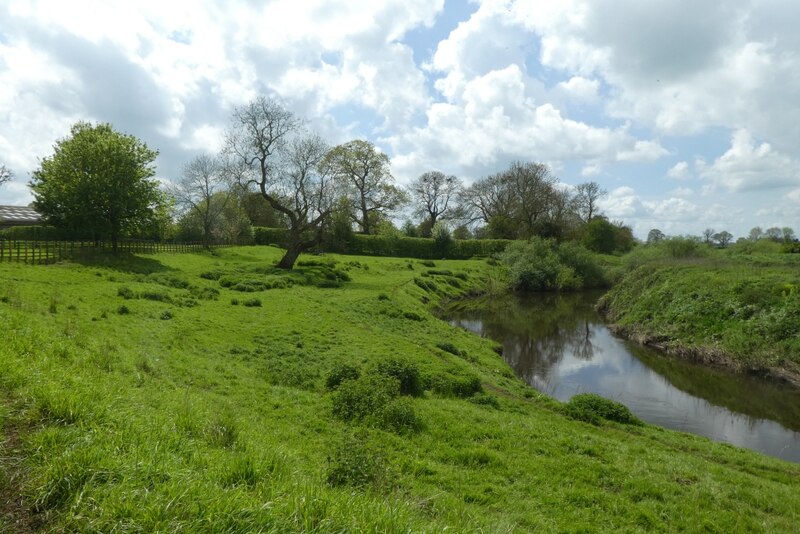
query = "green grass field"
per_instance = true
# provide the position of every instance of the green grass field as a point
(192, 393)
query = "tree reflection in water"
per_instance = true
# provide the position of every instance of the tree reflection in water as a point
(559, 345)
(536, 331)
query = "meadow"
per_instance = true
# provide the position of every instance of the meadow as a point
(208, 392)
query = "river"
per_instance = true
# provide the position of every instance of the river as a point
(559, 345)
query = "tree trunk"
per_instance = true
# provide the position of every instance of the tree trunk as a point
(364, 217)
(292, 252)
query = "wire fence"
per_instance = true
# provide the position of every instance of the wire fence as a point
(51, 251)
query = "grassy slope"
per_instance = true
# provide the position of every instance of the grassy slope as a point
(741, 311)
(217, 420)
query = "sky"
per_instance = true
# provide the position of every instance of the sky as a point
(686, 113)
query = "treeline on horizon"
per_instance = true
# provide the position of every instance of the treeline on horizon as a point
(273, 173)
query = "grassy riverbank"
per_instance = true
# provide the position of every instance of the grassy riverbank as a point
(737, 308)
(192, 393)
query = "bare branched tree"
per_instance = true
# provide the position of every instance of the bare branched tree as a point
(5, 174)
(586, 197)
(276, 156)
(194, 194)
(432, 195)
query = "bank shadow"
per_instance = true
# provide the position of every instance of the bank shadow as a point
(122, 261)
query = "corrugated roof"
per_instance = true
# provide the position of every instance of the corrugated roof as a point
(19, 215)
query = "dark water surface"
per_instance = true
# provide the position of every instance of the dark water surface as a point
(559, 345)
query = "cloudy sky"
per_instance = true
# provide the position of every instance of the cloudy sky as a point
(686, 112)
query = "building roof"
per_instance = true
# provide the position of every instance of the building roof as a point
(19, 216)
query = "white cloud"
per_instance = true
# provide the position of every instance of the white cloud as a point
(680, 67)
(494, 111)
(591, 170)
(682, 192)
(679, 171)
(580, 88)
(748, 166)
(622, 203)
(597, 90)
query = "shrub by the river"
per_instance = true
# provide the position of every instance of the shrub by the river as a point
(593, 408)
(545, 265)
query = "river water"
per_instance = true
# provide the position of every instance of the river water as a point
(559, 345)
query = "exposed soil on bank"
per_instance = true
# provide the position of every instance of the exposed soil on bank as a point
(787, 372)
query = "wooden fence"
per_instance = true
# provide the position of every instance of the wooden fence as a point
(48, 251)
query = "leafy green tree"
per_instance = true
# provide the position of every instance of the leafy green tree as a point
(723, 238)
(654, 236)
(260, 212)
(98, 183)
(338, 235)
(442, 239)
(623, 239)
(774, 233)
(462, 232)
(409, 229)
(600, 236)
(370, 185)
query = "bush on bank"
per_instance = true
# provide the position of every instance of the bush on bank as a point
(546, 265)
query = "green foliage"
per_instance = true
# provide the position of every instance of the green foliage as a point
(544, 265)
(270, 236)
(166, 315)
(485, 399)
(222, 431)
(731, 307)
(371, 190)
(442, 240)
(356, 463)
(41, 233)
(423, 248)
(399, 416)
(449, 347)
(252, 303)
(684, 247)
(126, 293)
(339, 374)
(593, 408)
(98, 183)
(365, 399)
(453, 384)
(406, 373)
(604, 237)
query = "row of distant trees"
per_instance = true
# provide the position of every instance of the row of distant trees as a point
(724, 238)
(273, 172)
